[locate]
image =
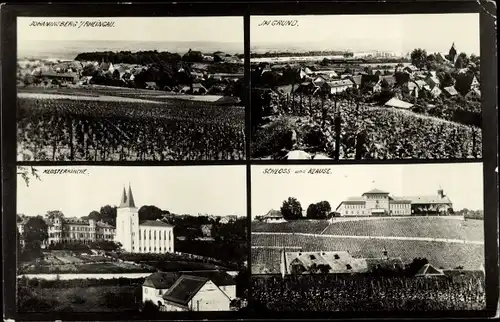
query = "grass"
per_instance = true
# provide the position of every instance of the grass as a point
(295, 226)
(77, 299)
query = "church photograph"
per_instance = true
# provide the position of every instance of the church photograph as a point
(83, 231)
(392, 237)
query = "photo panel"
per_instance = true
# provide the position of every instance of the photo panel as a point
(364, 87)
(130, 89)
(131, 239)
(375, 238)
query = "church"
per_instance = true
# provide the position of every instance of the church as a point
(141, 237)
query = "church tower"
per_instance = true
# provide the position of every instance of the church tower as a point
(127, 222)
(452, 54)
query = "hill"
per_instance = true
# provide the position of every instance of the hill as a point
(445, 242)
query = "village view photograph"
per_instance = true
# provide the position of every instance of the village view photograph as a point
(136, 89)
(368, 238)
(131, 239)
(358, 87)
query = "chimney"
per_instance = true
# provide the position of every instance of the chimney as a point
(441, 193)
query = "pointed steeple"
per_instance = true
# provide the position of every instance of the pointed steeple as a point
(123, 201)
(130, 200)
(127, 200)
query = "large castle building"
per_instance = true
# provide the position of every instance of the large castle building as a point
(379, 203)
(62, 229)
(146, 237)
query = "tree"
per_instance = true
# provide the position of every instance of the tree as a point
(150, 213)
(384, 84)
(312, 211)
(108, 215)
(418, 57)
(291, 209)
(149, 307)
(52, 214)
(35, 233)
(324, 209)
(27, 173)
(94, 215)
(417, 263)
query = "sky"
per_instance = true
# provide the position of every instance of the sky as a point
(216, 190)
(397, 33)
(462, 182)
(226, 29)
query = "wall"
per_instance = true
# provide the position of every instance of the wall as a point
(210, 298)
(229, 290)
(155, 245)
(379, 201)
(150, 293)
(400, 209)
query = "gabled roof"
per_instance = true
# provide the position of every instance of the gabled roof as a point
(450, 90)
(219, 278)
(428, 199)
(273, 214)
(155, 223)
(161, 280)
(184, 289)
(429, 270)
(394, 102)
(377, 191)
(337, 83)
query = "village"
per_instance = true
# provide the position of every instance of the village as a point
(433, 77)
(194, 73)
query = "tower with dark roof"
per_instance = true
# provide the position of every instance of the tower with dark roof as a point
(127, 221)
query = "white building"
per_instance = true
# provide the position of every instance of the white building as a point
(190, 290)
(146, 237)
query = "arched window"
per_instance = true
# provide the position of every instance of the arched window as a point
(150, 235)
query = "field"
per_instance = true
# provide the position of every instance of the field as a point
(71, 262)
(368, 293)
(108, 124)
(425, 227)
(294, 226)
(69, 296)
(345, 129)
(399, 243)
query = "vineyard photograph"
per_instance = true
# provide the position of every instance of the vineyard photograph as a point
(376, 235)
(123, 97)
(420, 100)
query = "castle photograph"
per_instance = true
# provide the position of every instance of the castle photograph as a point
(367, 237)
(134, 239)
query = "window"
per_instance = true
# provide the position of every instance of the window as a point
(146, 290)
(336, 256)
(312, 257)
(348, 266)
(154, 235)
(150, 235)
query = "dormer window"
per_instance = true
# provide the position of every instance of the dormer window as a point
(348, 266)
(336, 256)
(312, 257)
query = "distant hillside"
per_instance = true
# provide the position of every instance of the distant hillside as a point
(266, 246)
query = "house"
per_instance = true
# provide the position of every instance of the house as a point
(107, 67)
(435, 92)
(327, 72)
(465, 82)
(319, 80)
(475, 94)
(333, 262)
(228, 219)
(62, 77)
(151, 85)
(190, 290)
(410, 69)
(307, 88)
(273, 216)
(450, 91)
(396, 103)
(199, 89)
(206, 230)
(429, 271)
(368, 81)
(337, 86)
(432, 81)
